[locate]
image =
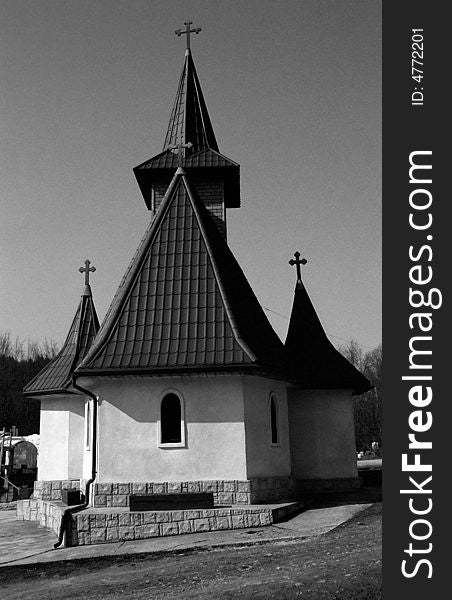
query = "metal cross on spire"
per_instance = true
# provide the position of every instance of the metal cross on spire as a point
(187, 31)
(297, 261)
(87, 269)
(180, 147)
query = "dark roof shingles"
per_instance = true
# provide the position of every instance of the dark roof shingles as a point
(184, 303)
(204, 158)
(313, 361)
(56, 375)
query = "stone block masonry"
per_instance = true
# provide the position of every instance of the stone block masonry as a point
(47, 513)
(225, 492)
(51, 490)
(95, 527)
(104, 525)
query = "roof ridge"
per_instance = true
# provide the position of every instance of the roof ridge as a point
(113, 312)
(227, 306)
(84, 305)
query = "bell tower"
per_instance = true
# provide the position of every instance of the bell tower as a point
(190, 143)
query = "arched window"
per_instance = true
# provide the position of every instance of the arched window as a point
(274, 420)
(171, 421)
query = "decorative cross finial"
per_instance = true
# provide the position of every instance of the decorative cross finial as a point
(87, 269)
(298, 262)
(180, 151)
(187, 31)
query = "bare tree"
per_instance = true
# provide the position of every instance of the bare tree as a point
(17, 367)
(368, 406)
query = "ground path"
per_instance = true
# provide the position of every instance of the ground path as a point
(343, 564)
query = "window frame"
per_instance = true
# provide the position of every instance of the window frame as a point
(183, 436)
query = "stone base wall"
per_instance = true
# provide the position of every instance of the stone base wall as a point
(272, 489)
(225, 492)
(101, 528)
(51, 490)
(48, 514)
(97, 526)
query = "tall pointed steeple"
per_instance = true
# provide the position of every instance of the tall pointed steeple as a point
(190, 142)
(56, 376)
(313, 362)
(190, 121)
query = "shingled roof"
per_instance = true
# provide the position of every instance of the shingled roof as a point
(56, 376)
(204, 158)
(184, 304)
(313, 362)
(190, 121)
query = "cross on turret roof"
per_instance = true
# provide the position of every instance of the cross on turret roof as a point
(180, 147)
(87, 269)
(297, 261)
(187, 31)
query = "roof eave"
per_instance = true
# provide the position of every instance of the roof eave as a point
(253, 368)
(51, 392)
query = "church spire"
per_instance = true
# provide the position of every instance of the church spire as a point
(190, 143)
(190, 121)
(56, 376)
(312, 360)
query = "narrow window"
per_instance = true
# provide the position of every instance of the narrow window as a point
(274, 420)
(87, 425)
(170, 420)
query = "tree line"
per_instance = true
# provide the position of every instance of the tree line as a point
(19, 362)
(368, 406)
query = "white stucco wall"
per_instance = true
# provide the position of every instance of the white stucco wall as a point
(322, 434)
(128, 417)
(61, 438)
(263, 458)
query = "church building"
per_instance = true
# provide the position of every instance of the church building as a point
(185, 387)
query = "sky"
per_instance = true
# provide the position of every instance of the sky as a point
(293, 90)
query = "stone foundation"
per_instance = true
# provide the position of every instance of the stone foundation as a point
(98, 526)
(225, 492)
(51, 490)
(272, 489)
(232, 492)
(48, 514)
